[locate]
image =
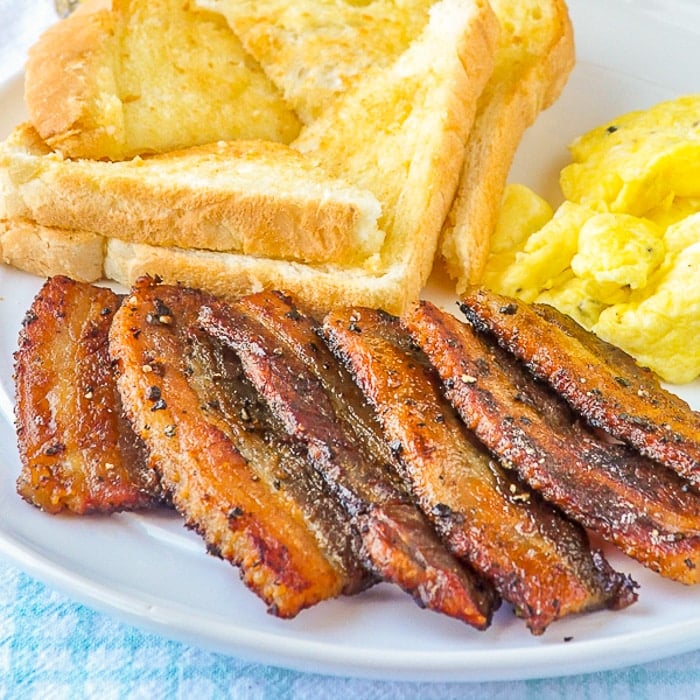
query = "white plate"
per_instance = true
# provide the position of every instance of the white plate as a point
(148, 570)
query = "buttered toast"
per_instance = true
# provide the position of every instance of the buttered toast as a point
(399, 133)
(148, 77)
(406, 139)
(421, 108)
(252, 197)
(533, 62)
(313, 50)
(292, 42)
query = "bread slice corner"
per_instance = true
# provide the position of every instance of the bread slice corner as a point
(534, 60)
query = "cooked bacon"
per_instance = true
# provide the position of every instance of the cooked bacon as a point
(275, 310)
(399, 542)
(537, 559)
(245, 492)
(216, 374)
(78, 451)
(639, 505)
(600, 381)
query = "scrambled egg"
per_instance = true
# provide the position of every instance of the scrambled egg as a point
(639, 161)
(622, 254)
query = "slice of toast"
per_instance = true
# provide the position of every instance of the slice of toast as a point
(148, 76)
(313, 50)
(400, 133)
(253, 197)
(534, 60)
(47, 251)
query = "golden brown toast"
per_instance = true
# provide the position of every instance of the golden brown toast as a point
(400, 134)
(533, 62)
(148, 76)
(314, 50)
(253, 197)
(409, 131)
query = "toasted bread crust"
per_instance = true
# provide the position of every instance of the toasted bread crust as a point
(252, 197)
(530, 74)
(45, 251)
(61, 73)
(146, 77)
(230, 275)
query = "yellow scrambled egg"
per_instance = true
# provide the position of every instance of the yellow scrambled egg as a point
(622, 254)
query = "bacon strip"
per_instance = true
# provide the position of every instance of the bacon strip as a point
(600, 381)
(538, 560)
(251, 500)
(78, 451)
(275, 310)
(645, 509)
(398, 541)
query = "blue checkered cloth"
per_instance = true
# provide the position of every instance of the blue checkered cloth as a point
(53, 649)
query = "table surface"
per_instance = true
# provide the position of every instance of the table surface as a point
(52, 647)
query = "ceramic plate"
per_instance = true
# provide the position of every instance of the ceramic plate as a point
(148, 570)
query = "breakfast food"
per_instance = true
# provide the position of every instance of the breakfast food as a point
(424, 105)
(44, 251)
(397, 539)
(638, 162)
(621, 254)
(182, 392)
(300, 485)
(627, 400)
(399, 133)
(536, 559)
(405, 147)
(645, 509)
(77, 449)
(314, 50)
(256, 198)
(537, 618)
(534, 58)
(136, 77)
